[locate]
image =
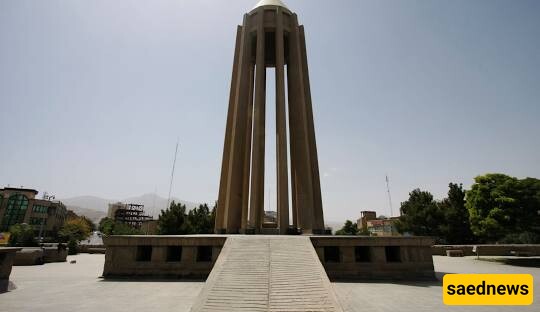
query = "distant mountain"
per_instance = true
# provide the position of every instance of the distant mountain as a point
(96, 208)
(91, 214)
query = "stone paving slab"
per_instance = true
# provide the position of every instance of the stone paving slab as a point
(267, 273)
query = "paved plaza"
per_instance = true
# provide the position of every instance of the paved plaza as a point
(427, 296)
(77, 287)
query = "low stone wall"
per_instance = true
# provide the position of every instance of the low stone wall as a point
(91, 248)
(7, 256)
(366, 258)
(189, 256)
(489, 250)
(29, 256)
(96, 250)
(54, 254)
(343, 257)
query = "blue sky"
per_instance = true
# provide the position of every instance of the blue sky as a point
(94, 94)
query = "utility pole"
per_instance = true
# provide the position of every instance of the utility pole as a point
(172, 176)
(389, 196)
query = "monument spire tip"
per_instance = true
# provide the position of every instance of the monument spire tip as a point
(270, 2)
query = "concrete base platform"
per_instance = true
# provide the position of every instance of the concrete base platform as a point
(186, 256)
(343, 257)
(375, 258)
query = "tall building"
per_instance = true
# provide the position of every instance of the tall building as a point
(130, 214)
(382, 226)
(20, 205)
(365, 216)
(270, 37)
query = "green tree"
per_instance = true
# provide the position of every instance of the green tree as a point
(349, 228)
(22, 235)
(504, 208)
(89, 222)
(125, 229)
(420, 215)
(107, 226)
(174, 221)
(75, 229)
(201, 220)
(456, 228)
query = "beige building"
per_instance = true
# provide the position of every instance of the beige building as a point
(382, 227)
(19, 205)
(369, 222)
(365, 216)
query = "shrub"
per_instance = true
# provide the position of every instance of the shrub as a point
(22, 235)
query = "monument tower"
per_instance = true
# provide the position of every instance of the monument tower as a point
(270, 36)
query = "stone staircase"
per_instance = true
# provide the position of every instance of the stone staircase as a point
(269, 228)
(267, 273)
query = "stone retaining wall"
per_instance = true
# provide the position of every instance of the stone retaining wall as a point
(189, 256)
(343, 257)
(364, 257)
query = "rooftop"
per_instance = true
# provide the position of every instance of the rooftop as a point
(17, 189)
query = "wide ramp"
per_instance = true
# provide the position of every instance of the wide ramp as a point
(267, 273)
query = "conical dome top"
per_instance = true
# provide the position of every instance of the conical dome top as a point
(271, 2)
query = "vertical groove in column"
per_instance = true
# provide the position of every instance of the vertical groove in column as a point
(318, 219)
(247, 157)
(257, 172)
(281, 129)
(220, 212)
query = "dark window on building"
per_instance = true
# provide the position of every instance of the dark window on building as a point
(15, 211)
(362, 254)
(174, 253)
(204, 253)
(144, 253)
(38, 221)
(331, 254)
(393, 254)
(40, 209)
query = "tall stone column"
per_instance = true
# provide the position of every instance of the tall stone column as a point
(281, 129)
(259, 113)
(299, 125)
(220, 225)
(318, 219)
(229, 214)
(269, 37)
